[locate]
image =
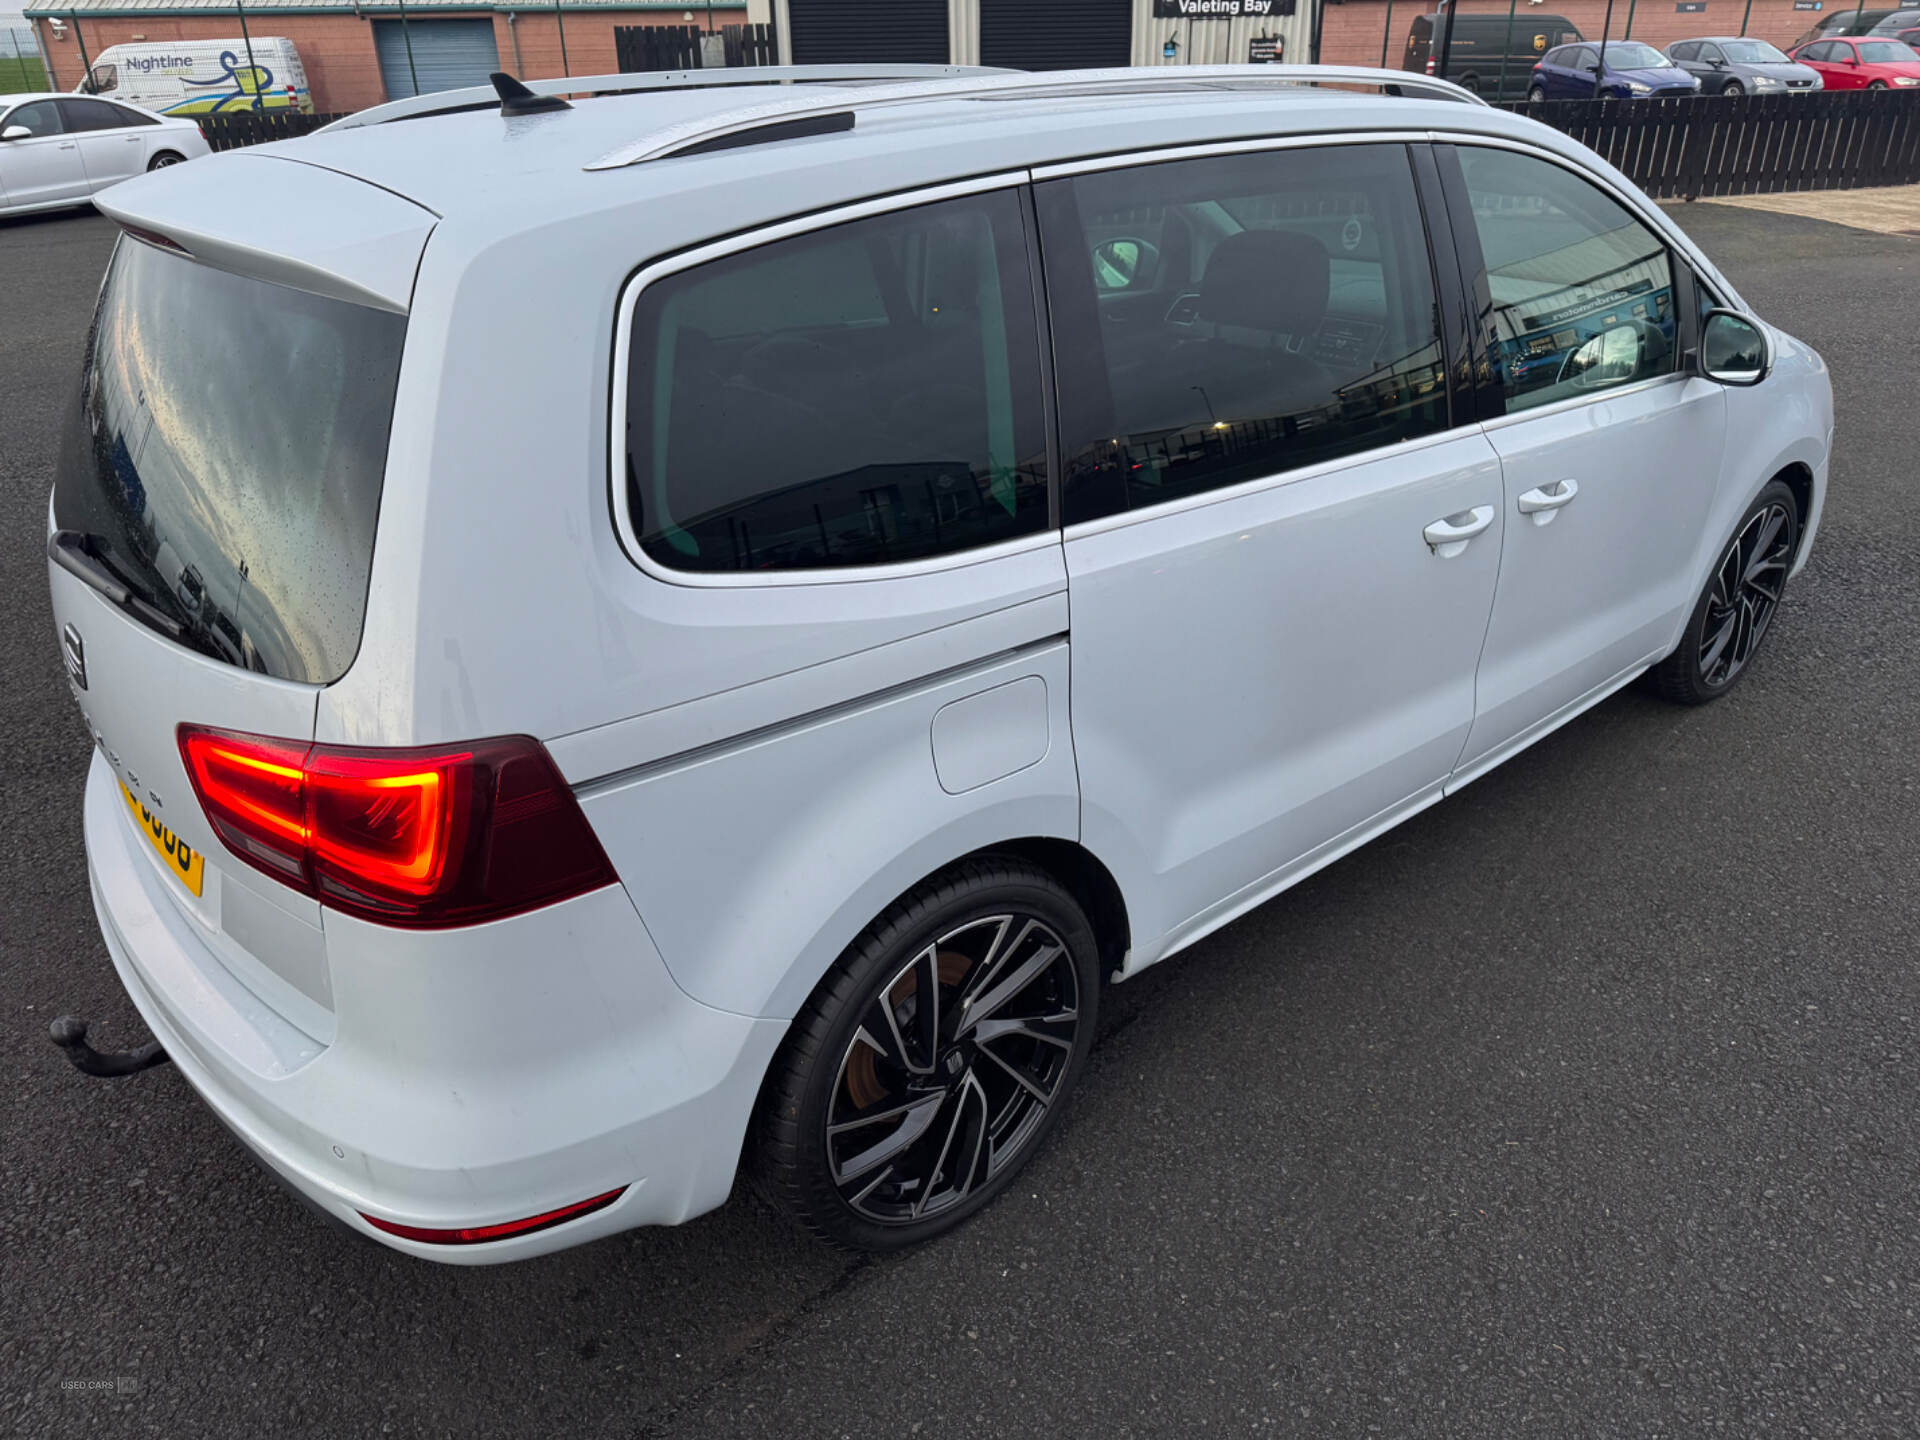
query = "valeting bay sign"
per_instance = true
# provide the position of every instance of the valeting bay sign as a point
(1218, 9)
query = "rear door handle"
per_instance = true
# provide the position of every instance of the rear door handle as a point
(1449, 537)
(1543, 502)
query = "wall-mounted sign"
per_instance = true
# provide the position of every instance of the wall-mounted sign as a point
(1218, 9)
(1690, 7)
(1806, 4)
(1266, 50)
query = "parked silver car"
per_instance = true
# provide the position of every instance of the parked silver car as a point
(702, 626)
(1742, 65)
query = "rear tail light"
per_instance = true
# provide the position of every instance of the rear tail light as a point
(1433, 65)
(423, 838)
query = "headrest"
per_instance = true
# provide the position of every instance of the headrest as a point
(1268, 281)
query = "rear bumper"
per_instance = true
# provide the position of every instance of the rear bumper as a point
(474, 1076)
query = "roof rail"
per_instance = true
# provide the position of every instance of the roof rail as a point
(485, 97)
(1143, 80)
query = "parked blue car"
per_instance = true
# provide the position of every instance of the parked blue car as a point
(1634, 71)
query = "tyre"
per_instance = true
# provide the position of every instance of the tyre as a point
(1536, 95)
(164, 159)
(932, 1061)
(1877, 85)
(1733, 87)
(1737, 607)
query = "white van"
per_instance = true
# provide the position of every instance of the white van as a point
(202, 77)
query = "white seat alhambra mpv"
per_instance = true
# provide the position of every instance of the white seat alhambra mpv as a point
(692, 630)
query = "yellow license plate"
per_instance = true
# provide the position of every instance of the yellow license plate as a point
(185, 863)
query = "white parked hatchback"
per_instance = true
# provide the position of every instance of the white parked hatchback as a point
(59, 150)
(697, 629)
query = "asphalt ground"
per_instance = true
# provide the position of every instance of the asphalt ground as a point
(1582, 1104)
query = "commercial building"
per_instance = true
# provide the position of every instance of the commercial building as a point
(359, 54)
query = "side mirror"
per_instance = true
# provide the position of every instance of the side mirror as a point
(1610, 358)
(1734, 349)
(1125, 263)
(16, 132)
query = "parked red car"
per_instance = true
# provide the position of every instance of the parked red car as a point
(1862, 63)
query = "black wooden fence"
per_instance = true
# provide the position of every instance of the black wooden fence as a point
(1695, 148)
(677, 47)
(1703, 146)
(255, 127)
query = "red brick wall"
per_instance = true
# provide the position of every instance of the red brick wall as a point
(342, 68)
(590, 49)
(1350, 34)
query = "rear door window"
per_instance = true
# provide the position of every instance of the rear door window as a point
(1289, 318)
(226, 456)
(860, 395)
(83, 115)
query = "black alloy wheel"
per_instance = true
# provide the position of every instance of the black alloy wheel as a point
(1735, 611)
(932, 1060)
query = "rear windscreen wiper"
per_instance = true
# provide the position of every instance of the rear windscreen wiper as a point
(78, 553)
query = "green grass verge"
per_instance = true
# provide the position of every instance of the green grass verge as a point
(26, 73)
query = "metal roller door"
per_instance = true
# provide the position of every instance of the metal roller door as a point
(1056, 35)
(865, 32)
(447, 54)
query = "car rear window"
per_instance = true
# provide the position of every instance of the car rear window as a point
(225, 457)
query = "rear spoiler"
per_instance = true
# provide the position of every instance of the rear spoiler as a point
(282, 221)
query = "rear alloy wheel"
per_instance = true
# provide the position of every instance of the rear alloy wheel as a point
(1536, 95)
(932, 1061)
(164, 159)
(1735, 611)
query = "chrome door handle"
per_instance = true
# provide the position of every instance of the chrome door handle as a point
(67, 145)
(1544, 501)
(1449, 537)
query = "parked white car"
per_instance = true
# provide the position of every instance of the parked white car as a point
(59, 150)
(704, 626)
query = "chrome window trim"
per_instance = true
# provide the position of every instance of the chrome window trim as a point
(1259, 485)
(623, 528)
(1574, 402)
(1204, 149)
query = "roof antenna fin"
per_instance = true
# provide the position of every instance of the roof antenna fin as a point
(517, 99)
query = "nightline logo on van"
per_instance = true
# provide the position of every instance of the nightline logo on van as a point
(1218, 9)
(145, 64)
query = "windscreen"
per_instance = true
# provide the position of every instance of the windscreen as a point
(1752, 52)
(1887, 52)
(225, 457)
(1635, 56)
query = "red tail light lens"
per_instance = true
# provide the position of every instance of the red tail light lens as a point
(422, 838)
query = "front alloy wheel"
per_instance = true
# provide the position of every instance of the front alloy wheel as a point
(1733, 614)
(932, 1060)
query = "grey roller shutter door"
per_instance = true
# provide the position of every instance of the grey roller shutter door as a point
(447, 54)
(868, 32)
(1056, 34)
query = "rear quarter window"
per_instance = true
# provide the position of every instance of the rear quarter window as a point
(864, 394)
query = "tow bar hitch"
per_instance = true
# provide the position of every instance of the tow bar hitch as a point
(69, 1032)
